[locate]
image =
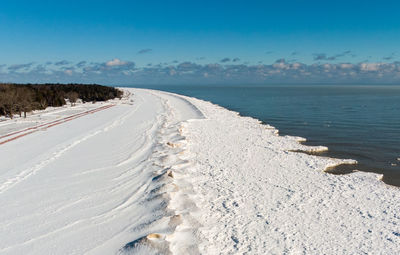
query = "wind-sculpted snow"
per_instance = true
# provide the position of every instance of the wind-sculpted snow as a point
(258, 197)
(98, 183)
(161, 173)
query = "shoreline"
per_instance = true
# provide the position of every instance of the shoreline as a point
(185, 176)
(231, 198)
(371, 156)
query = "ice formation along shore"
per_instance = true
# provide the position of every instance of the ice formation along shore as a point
(163, 173)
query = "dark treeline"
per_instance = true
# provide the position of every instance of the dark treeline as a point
(23, 98)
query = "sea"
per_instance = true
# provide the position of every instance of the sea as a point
(353, 121)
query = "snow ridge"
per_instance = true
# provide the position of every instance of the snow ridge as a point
(176, 227)
(257, 196)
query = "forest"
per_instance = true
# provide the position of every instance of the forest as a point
(23, 98)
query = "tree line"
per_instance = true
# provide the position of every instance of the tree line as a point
(23, 98)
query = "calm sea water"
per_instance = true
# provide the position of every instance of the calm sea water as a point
(358, 122)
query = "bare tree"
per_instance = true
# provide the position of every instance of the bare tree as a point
(24, 100)
(9, 103)
(72, 97)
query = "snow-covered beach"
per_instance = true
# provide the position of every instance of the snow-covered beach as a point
(159, 172)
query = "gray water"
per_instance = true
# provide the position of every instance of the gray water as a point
(357, 122)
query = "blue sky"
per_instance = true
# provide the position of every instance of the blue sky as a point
(123, 42)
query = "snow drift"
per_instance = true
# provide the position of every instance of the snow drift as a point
(163, 173)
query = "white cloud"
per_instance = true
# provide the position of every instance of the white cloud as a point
(125, 72)
(116, 62)
(327, 67)
(68, 72)
(346, 66)
(370, 66)
(295, 66)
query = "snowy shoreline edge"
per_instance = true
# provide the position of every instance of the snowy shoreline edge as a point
(208, 109)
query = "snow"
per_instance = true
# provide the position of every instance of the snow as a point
(163, 173)
(257, 197)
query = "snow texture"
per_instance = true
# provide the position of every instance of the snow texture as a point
(159, 173)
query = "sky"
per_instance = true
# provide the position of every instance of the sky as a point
(200, 42)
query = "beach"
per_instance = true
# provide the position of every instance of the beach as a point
(158, 172)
